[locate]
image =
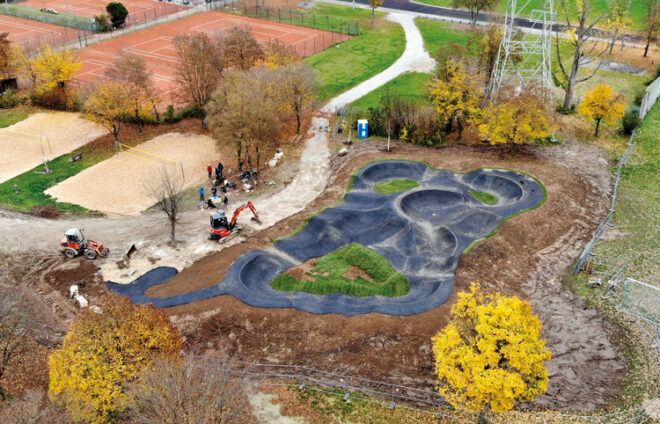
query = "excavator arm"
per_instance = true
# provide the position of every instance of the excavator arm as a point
(238, 211)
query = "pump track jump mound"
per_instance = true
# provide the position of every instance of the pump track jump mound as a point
(422, 232)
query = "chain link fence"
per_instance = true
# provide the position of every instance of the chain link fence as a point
(397, 396)
(335, 24)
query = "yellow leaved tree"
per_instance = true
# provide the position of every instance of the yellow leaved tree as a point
(491, 353)
(601, 104)
(455, 96)
(375, 4)
(55, 68)
(109, 104)
(105, 351)
(520, 120)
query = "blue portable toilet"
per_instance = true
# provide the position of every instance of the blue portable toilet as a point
(363, 128)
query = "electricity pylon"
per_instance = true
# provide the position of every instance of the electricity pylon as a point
(526, 57)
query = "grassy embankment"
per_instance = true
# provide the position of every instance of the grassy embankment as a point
(637, 9)
(356, 60)
(327, 276)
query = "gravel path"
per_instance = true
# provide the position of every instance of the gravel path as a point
(415, 58)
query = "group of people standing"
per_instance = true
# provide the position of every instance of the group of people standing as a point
(214, 191)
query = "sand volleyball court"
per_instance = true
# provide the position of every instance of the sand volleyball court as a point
(116, 186)
(24, 144)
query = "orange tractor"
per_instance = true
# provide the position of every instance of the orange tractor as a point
(74, 244)
(222, 230)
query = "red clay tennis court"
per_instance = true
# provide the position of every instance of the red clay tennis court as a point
(155, 44)
(33, 34)
(138, 10)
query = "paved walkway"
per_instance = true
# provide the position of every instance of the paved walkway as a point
(415, 58)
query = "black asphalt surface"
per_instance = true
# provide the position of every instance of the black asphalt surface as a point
(421, 231)
(409, 6)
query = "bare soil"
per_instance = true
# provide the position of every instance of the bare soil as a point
(524, 258)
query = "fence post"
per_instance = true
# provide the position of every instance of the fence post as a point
(302, 378)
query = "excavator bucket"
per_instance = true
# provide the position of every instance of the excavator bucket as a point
(256, 219)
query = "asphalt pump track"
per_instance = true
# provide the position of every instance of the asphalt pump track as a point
(421, 231)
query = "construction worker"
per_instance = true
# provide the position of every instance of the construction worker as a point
(201, 194)
(209, 170)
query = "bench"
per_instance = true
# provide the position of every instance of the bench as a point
(76, 157)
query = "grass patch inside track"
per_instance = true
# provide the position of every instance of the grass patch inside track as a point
(395, 186)
(484, 197)
(327, 276)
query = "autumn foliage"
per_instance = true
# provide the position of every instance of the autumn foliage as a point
(601, 104)
(106, 351)
(521, 120)
(455, 96)
(491, 353)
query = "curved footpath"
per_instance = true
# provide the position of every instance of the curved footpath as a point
(414, 58)
(149, 231)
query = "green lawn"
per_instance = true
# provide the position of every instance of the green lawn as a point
(637, 8)
(61, 19)
(638, 207)
(348, 64)
(32, 185)
(484, 197)
(395, 186)
(11, 116)
(411, 85)
(438, 33)
(327, 276)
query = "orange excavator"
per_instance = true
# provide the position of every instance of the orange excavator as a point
(222, 230)
(74, 243)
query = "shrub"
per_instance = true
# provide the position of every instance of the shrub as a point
(170, 116)
(102, 23)
(566, 110)
(193, 111)
(117, 12)
(630, 121)
(8, 99)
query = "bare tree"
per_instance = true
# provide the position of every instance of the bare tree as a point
(166, 189)
(579, 35)
(475, 6)
(244, 113)
(192, 392)
(7, 60)
(132, 70)
(199, 69)
(652, 23)
(34, 408)
(241, 48)
(298, 86)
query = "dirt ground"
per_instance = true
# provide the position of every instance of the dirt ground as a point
(21, 144)
(524, 258)
(116, 186)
